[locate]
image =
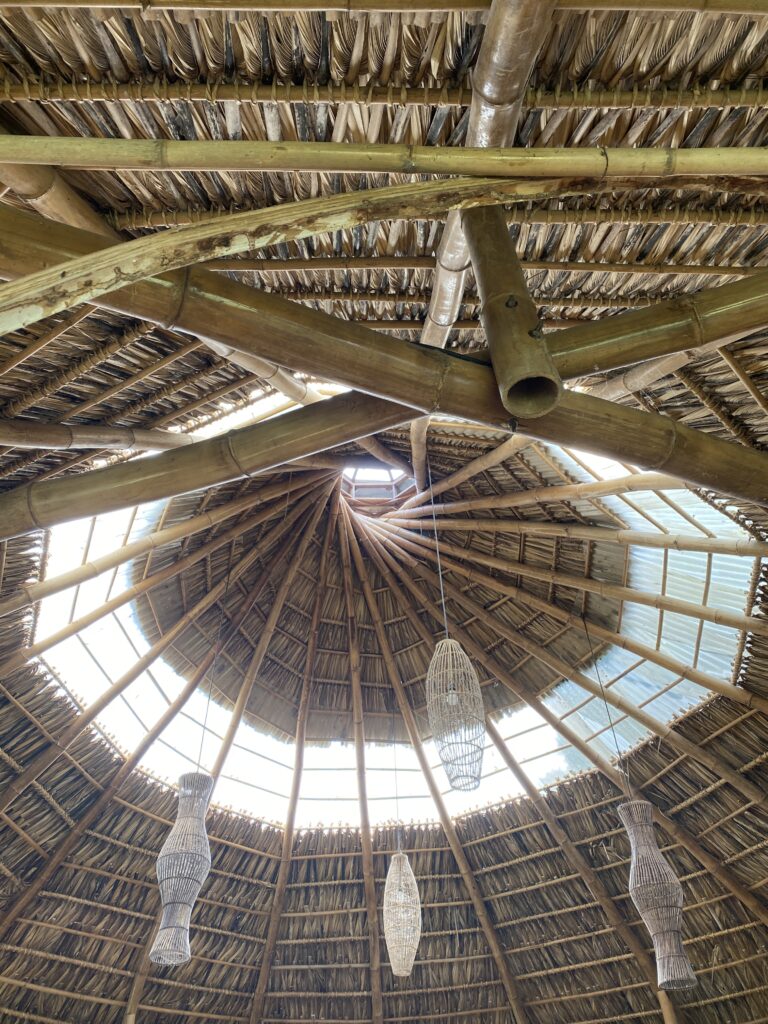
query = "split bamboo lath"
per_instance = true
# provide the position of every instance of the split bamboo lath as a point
(276, 454)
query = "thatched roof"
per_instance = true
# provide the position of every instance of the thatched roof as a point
(626, 619)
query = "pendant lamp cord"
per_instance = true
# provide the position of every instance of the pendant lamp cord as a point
(437, 547)
(217, 651)
(624, 770)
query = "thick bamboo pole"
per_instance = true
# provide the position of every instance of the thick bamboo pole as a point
(389, 565)
(278, 898)
(64, 848)
(473, 890)
(427, 380)
(599, 163)
(20, 433)
(419, 428)
(529, 384)
(15, 787)
(628, 484)
(30, 593)
(595, 534)
(228, 457)
(579, 863)
(369, 875)
(265, 637)
(660, 729)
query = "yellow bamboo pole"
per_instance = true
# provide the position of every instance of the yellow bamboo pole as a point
(419, 428)
(599, 163)
(426, 380)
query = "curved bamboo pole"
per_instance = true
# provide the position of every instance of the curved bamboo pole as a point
(595, 534)
(278, 898)
(34, 650)
(581, 866)
(243, 452)
(514, 997)
(30, 593)
(16, 786)
(47, 292)
(427, 380)
(369, 875)
(703, 679)
(583, 583)
(388, 565)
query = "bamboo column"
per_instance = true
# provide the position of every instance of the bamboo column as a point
(430, 380)
(61, 743)
(389, 565)
(529, 384)
(581, 866)
(131, 593)
(514, 997)
(703, 679)
(29, 594)
(369, 875)
(278, 899)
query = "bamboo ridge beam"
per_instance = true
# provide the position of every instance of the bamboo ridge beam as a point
(426, 380)
(598, 163)
(20, 433)
(440, 94)
(228, 457)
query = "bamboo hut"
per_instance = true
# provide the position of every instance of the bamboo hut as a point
(328, 332)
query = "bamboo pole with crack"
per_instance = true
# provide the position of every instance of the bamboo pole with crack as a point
(278, 899)
(388, 565)
(433, 380)
(529, 385)
(39, 647)
(649, 599)
(16, 786)
(513, 994)
(474, 575)
(29, 594)
(579, 863)
(369, 875)
(243, 452)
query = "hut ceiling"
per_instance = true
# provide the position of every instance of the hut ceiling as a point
(616, 615)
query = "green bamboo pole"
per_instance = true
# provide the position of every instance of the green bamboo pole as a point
(426, 380)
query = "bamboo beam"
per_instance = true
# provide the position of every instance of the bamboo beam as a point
(514, 997)
(29, 594)
(168, 155)
(21, 433)
(265, 638)
(278, 898)
(440, 94)
(429, 381)
(678, 833)
(754, 7)
(581, 866)
(595, 534)
(369, 875)
(529, 384)
(419, 428)
(228, 457)
(16, 786)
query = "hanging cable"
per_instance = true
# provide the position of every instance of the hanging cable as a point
(437, 546)
(623, 770)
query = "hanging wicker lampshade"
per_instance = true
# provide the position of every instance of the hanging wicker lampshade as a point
(658, 896)
(402, 915)
(182, 867)
(456, 714)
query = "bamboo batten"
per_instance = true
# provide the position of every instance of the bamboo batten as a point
(529, 384)
(396, 6)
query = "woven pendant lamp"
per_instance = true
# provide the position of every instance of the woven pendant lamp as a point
(456, 714)
(658, 896)
(182, 867)
(402, 915)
